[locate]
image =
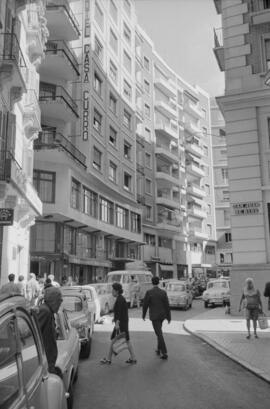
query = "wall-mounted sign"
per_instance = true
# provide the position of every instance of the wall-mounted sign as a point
(246, 208)
(85, 74)
(6, 217)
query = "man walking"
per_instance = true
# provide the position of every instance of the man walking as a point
(11, 287)
(159, 310)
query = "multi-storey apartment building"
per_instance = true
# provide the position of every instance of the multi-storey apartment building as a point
(222, 197)
(243, 55)
(23, 34)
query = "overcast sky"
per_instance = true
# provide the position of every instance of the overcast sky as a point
(182, 31)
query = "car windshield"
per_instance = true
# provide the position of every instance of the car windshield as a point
(217, 284)
(72, 303)
(114, 278)
(175, 287)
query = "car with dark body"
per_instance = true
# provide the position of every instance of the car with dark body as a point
(75, 304)
(25, 382)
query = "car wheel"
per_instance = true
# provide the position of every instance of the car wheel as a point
(205, 304)
(106, 309)
(85, 352)
(70, 398)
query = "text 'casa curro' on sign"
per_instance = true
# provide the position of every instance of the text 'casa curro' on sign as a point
(6, 217)
(246, 208)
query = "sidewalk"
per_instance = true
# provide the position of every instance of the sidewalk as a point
(227, 334)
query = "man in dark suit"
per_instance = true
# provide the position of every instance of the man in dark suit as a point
(159, 310)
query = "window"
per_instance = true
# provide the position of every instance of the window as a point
(148, 212)
(222, 132)
(122, 216)
(97, 121)
(43, 237)
(127, 90)
(127, 119)
(135, 221)
(98, 49)
(127, 7)
(30, 361)
(113, 41)
(44, 183)
(146, 87)
(75, 194)
(127, 181)
(147, 110)
(207, 189)
(147, 134)
(113, 11)
(106, 211)
(149, 239)
(97, 84)
(205, 150)
(99, 16)
(226, 195)
(209, 230)
(90, 202)
(266, 4)
(112, 136)
(228, 237)
(209, 209)
(69, 240)
(146, 64)
(113, 103)
(97, 159)
(148, 160)
(224, 174)
(127, 33)
(112, 172)
(113, 72)
(127, 150)
(148, 186)
(127, 61)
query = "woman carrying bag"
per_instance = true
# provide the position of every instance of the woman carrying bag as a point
(251, 299)
(121, 327)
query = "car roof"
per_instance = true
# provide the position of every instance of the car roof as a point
(73, 292)
(131, 272)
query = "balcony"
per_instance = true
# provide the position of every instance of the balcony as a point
(219, 48)
(196, 212)
(195, 169)
(56, 103)
(197, 233)
(165, 86)
(31, 113)
(54, 140)
(60, 61)
(166, 130)
(218, 6)
(166, 199)
(171, 155)
(194, 148)
(12, 63)
(165, 177)
(193, 109)
(61, 21)
(191, 127)
(167, 109)
(196, 191)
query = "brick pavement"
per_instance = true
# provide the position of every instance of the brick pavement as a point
(228, 333)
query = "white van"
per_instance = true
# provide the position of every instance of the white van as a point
(143, 278)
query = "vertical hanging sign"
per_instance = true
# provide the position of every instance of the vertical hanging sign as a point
(86, 71)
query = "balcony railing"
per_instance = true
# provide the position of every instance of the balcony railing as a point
(57, 4)
(49, 92)
(54, 140)
(61, 48)
(10, 49)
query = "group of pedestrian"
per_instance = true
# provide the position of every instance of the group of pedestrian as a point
(156, 300)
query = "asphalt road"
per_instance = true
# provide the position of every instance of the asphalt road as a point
(195, 376)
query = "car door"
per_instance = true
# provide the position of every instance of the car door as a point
(12, 393)
(34, 373)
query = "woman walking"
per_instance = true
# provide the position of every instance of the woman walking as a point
(251, 299)
(121, 325)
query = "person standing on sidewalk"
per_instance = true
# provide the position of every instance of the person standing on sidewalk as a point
(159, 310)
(251, 299)
(267, 293)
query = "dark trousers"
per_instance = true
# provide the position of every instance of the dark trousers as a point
(161, 346)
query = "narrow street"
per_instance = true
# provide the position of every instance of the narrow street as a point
(195, 375)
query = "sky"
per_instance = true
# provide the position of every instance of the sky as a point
(182, 32)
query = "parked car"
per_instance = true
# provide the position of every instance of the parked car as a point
(25, 382)
(179, 294)
(68, 345)
(106, 299)
(91, 297)
(75, 304)
(217, 292)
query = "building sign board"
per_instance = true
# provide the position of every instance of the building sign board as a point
(6, 217)
(85, 74)
(246, 208)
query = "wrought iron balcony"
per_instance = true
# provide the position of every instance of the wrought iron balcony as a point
(68, 25)
(57, 95)
(11, 56)
(62, 50)
(54, 140)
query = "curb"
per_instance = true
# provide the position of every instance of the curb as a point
(261, 374)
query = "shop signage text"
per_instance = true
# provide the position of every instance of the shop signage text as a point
(246, 208)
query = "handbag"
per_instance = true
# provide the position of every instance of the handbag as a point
(263, 321)
(120, 343)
